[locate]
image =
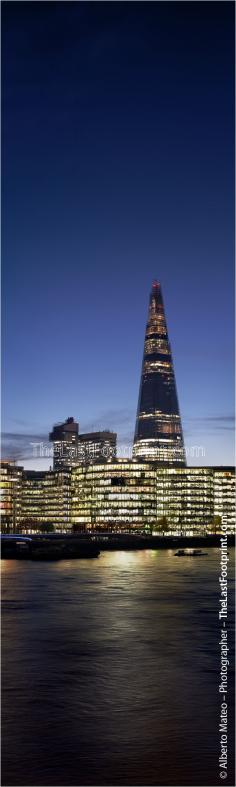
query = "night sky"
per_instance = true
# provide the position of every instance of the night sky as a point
(118, 143)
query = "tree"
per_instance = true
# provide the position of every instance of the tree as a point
(78, 528)
(215, 525)
(46, 527)
(163, 525)
(29, 524)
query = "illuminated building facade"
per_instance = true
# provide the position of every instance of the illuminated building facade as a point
(185, 499)
(158, 432)
(118, 495)
(11, 493)
(64, 437)
(71, 448)
(127, 495)
(224, 497)
(45, 500)
(96, 447)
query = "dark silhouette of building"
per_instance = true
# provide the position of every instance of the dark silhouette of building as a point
(64, 437)
(158, 433)
(70, 448)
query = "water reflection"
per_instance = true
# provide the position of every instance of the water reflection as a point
(111, 670)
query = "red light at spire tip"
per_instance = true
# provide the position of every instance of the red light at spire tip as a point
(155, 283)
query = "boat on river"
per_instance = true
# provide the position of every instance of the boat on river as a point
(48, 548)
(190, 553)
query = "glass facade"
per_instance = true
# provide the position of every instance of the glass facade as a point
(185, 499)
(158, 432)
(11, 492)
(71, 448)
(224, 497)
(119, 495)
(64, 437)
(45, 500)
(96, 447)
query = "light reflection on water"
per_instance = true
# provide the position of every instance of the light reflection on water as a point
(111, 670)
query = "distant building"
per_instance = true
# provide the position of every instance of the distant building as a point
(96, 447)
(158, 432)
(11, 494)
(71, 448)
(64, 437)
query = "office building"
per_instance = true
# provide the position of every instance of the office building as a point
(11, 495)
(96, 447)
(71, 448)
(158, 432)
(64, 437)
(130, 495)
(45, 500)
(224, 497)
(185, 499)
(117, 495)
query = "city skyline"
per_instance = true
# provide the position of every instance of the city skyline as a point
(39, 453)
(117, 161)
(118, 467)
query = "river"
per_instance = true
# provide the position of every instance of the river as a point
(111, 670)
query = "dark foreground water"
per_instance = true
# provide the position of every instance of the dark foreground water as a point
(111, 671)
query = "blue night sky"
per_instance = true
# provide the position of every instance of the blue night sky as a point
(118, 144)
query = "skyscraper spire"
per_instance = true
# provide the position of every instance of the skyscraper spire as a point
(158, 432)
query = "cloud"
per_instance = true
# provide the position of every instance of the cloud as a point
(229, 418)
(115, 420)
(18, 446)
(210, 423)
(19, 422)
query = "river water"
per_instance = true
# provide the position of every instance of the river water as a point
(111, 670)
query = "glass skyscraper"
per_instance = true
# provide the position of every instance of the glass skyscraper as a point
(158, 433)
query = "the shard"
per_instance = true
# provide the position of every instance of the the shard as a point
(158, 433)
